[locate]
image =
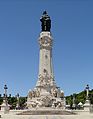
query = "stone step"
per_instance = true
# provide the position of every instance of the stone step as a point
(46, 112)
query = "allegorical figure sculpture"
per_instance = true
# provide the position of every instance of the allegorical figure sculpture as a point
(45, 22)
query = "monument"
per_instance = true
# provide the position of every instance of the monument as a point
(46, 93)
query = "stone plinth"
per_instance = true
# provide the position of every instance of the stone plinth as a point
(5, 107)
(87, 105)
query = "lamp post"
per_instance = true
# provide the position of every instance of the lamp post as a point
(87, 102)
(74, 105)
(87, 91)
(5, 106)
(17, 105)
(5, 93)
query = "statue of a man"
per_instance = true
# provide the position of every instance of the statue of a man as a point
(46, 22)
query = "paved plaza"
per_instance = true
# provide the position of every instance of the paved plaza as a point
(80, 115)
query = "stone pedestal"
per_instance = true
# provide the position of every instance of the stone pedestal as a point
(46, 93)
(5, 107)
(87, 105)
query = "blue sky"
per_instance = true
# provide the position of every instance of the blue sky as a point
(72, 30)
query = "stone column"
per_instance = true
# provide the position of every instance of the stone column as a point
(46, 75)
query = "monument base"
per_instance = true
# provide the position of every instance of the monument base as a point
(5, 108)
(47, 111)
(87, 105)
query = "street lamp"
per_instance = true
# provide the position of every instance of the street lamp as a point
(87, 91)
(5, 93)
(17, 105)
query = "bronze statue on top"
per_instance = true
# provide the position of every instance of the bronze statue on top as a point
(45, 22)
